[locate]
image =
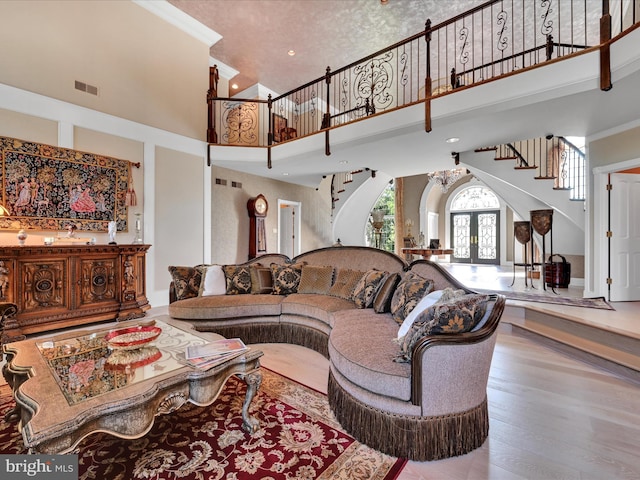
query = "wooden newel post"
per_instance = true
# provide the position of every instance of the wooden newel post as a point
(605, 47)
(427, 80)
(214, 76)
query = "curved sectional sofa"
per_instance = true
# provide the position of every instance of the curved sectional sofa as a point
(432, 405)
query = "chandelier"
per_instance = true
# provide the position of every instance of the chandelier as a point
(446, 178)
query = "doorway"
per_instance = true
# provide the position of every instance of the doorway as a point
(613, 270)
(289, 240)
(474, 225)
(475, 237)
(624, 243)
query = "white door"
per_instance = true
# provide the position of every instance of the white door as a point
(289, 228)
(625, 239)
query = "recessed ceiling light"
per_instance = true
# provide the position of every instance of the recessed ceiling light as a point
(452, 140)
(285, 174)
(344, 162)
(234, 86)
(291, 53)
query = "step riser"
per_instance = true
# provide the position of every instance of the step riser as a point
(607, 365)
(615, 353)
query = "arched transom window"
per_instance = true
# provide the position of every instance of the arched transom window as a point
(475, 198)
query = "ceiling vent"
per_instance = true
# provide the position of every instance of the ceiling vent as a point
(85, 87)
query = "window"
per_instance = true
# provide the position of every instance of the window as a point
(475, 198)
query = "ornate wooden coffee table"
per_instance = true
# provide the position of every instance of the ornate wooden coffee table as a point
(69, 386)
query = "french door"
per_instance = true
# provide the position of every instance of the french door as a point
(475, 237)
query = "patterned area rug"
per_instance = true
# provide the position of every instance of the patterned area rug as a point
(597, 302)
(298, 439)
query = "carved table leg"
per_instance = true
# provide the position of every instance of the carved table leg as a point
(253, 381)
(14, 381)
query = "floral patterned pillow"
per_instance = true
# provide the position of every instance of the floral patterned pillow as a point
(238, 279)
(186, 281)
(457, 315)
(367, 287)
(408, 293)
(286, 278)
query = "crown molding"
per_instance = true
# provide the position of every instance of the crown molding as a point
(257, 91)
(178, 18)
(225, 70)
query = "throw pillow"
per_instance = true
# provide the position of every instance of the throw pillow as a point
(382, 300)
(458, 315)
(410, 290)
(346, 280)
(213, 281)
(286, 278)
(422, 305)
(238, 279)
(367, 287)
(315, 279)
(261, 279)
(186, 281)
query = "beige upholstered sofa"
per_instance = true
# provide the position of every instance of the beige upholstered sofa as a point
(423, 400)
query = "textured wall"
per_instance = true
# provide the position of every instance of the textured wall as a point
(230, 220)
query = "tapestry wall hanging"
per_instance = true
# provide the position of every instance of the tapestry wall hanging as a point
(49, 188)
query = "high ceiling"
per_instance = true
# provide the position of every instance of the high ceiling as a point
(562, 98)
(258, 34)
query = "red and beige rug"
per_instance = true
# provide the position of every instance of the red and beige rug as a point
(298, 439)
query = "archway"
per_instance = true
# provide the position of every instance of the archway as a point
(474, 214)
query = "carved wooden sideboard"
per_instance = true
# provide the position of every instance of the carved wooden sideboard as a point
(61, 286)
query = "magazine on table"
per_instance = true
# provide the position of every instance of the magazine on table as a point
(216, 348)
(205, 363)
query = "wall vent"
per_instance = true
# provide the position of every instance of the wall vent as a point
(236, 184)
(85, 87)
(221, 181)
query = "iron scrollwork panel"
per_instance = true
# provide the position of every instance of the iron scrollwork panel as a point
(240, 123)
(372, 85)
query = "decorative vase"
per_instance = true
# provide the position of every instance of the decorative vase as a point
(138, 238)
(22, 236)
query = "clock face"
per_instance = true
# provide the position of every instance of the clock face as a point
(261, 205)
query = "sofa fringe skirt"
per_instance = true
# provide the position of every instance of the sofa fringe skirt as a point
(408, 436)
(273, 333)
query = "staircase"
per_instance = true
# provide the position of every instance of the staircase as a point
(545, 173)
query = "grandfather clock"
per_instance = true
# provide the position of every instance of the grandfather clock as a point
(257, 207)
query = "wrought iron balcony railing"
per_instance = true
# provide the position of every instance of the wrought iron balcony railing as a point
(495, 39)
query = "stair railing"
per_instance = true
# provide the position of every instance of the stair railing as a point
(490, 41)
(553, 157)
